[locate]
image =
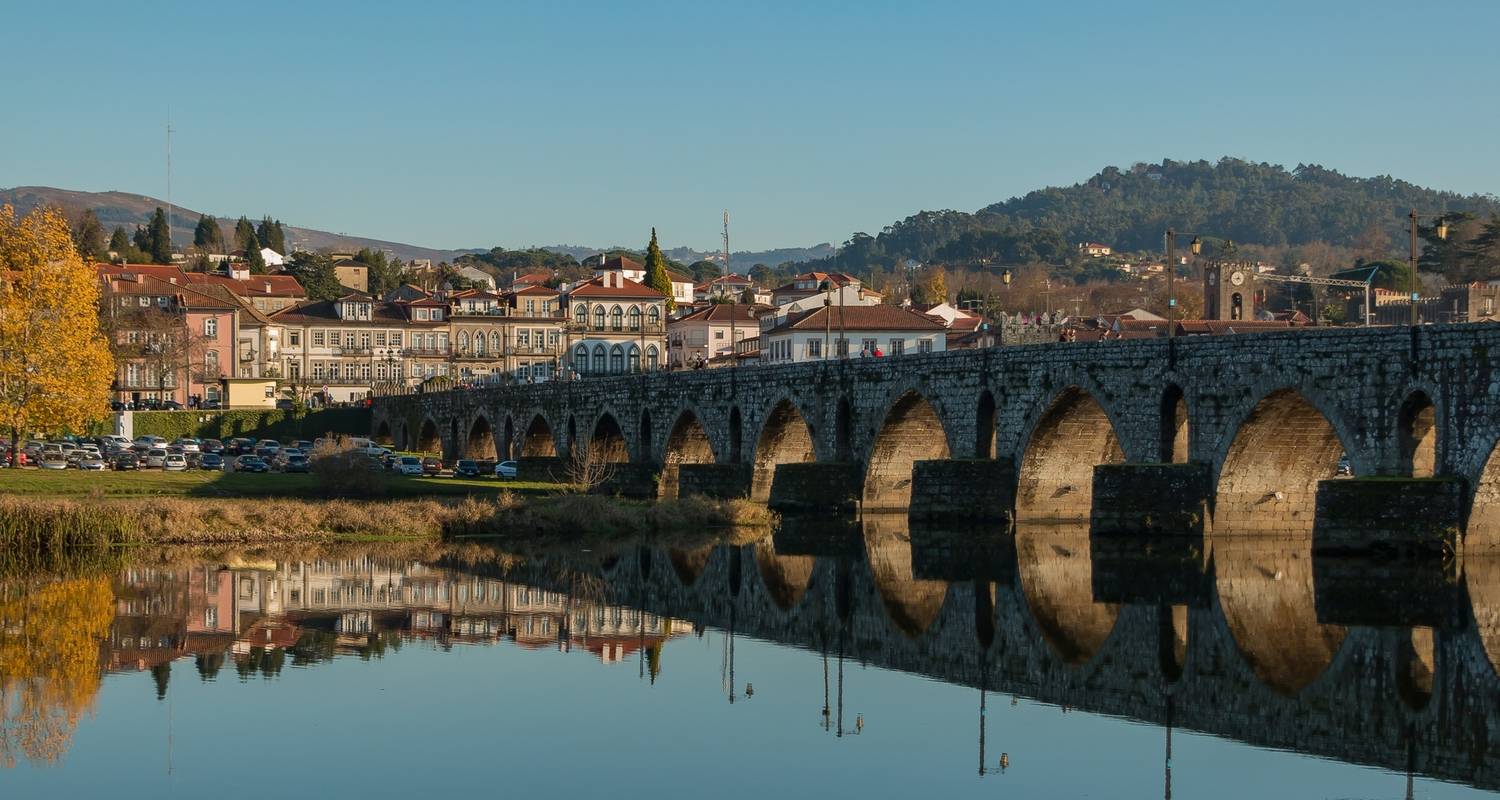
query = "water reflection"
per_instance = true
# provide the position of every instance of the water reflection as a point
(1243, 638)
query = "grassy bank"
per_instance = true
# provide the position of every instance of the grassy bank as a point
(154, 483)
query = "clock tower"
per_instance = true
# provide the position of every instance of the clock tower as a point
(1227, 293)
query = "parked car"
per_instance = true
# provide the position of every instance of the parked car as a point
(269, 444)
(408, 465)
(211, 446)
(53, 461)
(465, 468)
(91, 463)
(250, 463)
(150, 441)
(211, 405)
(211, 461)
(125, 460)
(188, 445)
(239, 447)
(432, 466)
(296, 463)
(171, 405)
(155, 458)
(506, 469)
(285, 404)
(303, 445)
(174, 463)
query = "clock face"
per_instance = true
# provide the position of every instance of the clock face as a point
(1237, 278)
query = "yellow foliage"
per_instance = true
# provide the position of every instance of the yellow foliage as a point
(51, 639)
(55, 364)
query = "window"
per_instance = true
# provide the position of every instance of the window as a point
(317, 338)
(651, 357)
(396, 338)
(380, 338)
(530, 307)
(582, 314)
(463, 341)
(599, 318)
(635, 318)
(552, 338)
(437, 315)
(616, 319)
(842, 347)
(581, 360)
(523, 338)
(419, 314)
(293, 369)
(211, 363)
(364, 341)
(617, 360)
(898, 347)
(318, 370)
(495, 343)
(814, 348)
(925, 346)
(364, 371)
(635, 359)
(294, 338)
(349, 340)
(478, 344)
(599, 365)
(211, 326)
(653, 316)
(719, 334)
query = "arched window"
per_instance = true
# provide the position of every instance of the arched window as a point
(495, 342)
(616, 318)
(463, 341)
(582, 314)
(599, 318)
(635, 318)
(635, 359)
(617, 360)
(478, 343)
(581, 360)
(651, 357)
(599, 366)
(653, 317)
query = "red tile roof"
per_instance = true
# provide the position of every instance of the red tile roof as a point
(721, 313)
(860, 318)
(627, 288)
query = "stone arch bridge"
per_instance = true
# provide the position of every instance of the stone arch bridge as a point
(1238, 432)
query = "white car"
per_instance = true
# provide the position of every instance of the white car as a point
(187, 445)
(174, 462)
(409, 465)
(505, 469)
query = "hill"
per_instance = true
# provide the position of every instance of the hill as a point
(1128, 209)
(130, 210)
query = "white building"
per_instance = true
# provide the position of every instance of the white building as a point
(849, 332)
(617, 326)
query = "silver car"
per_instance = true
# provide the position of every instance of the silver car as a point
(156, 458)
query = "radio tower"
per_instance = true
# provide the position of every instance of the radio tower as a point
(170, 209)
(727, 270)
(734, 355)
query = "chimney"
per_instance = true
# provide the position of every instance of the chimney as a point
(268, 287)
(601, 259)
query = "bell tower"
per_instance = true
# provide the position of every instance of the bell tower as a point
(1227, 293)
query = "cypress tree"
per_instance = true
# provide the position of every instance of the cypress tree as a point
(656, 271)
(244, 236)
(119, 242)
(88, 236)
(159, 239)
(253, 257)
(271, 234)
(208, 237)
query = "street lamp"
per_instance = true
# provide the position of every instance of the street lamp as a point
(1442, 233)
(1196, 246)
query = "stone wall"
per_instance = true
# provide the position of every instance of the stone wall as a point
(1395, 516)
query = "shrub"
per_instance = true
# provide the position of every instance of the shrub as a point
(258, 424)
(345, 471)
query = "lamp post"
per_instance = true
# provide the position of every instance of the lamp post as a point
(1196, 246)
(827, 317)
(1442, 233)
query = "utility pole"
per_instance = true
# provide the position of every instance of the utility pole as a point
(734, 300)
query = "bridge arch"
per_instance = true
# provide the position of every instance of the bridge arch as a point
(480, 442)
(1268, 479)
(507, 448)
(1172, 641)
(911, 604)
(1417, 434)
(1174, 426)
(383, 433)
(428, 438)
(785, 438)
(1056, 475)
(538, 441)
(607, 441)
(687, 443)
(911, 431)
(689, 565)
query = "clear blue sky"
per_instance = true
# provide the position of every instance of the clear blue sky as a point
(480, 124)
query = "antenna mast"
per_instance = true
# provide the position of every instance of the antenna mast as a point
(170, 209)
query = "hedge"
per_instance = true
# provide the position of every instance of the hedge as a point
(268, 424)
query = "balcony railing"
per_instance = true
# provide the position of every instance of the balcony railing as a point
(533, 349)
(427, 352)
(649, 328)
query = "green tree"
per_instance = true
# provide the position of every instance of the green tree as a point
(159, 238)
(88, 236)
(704, 270)
(253, 258)
(385, 274)
(208, 236)
(271, 234)
(656, 271)
(244, 236)
(119, 241)
(316, 274)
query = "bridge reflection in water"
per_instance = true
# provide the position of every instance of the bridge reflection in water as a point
(1386, 664)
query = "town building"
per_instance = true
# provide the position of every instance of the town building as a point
(709, 334)
(1094, 249)
(848, 332)
(352, 274)
(171, 341)
(617, 326)
(632, 270)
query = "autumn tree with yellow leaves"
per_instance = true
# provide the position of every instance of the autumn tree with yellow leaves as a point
(55, 364)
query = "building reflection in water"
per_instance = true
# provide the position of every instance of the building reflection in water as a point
(1248, 638)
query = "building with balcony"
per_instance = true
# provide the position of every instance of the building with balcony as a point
(616, 326)
(848, 332)
(709, 334)
(520, 334)
(171, 341)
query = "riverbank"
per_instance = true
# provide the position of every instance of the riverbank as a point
(155, 483)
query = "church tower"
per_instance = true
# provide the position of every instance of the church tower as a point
(1227, 292)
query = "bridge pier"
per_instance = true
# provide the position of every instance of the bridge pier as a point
(1353, 591)
(975, 489)
(632, 480)
(1150, 500)
(1413, 517)
(1150, 571)
(541, 468)
(721, 481)
(816, 488)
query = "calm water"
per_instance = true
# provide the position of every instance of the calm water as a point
(828, 660)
